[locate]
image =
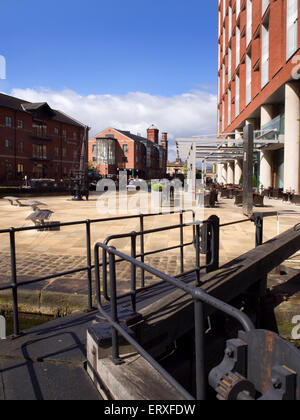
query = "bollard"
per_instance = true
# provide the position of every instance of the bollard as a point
(2, 328)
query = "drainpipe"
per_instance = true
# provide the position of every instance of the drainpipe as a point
(15, 144)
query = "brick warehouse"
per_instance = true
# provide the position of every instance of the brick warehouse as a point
(258, 83)
(37, 141)
(113, 150)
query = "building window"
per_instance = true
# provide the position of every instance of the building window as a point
(125, 148)
(249, 21)
(64, 152)
(223, 89)
(56, 151)
(229, 65)
(238, 8)
(20, 169)
(292, 28)
(39, 151)
(8, 145)
(94, 150)
(265, 5)
(238, 45)
(265, 54)
(229, 23)
(223, 115)
(8, 122)
(21, 147)
(248, 78)
(229, 107)
(56, 131)
(64, 134)
(237, 95)
(9, 170)
(20, 124)
(39, 130)
(74, 136)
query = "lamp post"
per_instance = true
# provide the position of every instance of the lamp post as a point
(80, 179)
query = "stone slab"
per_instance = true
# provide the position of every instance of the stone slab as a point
(60, 340)
(23, 380)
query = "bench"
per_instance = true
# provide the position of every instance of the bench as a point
(296, 200)
(35, 205)
(12, 199)
(39, 218)
(258, 200)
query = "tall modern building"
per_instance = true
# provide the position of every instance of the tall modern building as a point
(258, 83)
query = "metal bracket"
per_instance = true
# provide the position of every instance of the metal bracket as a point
(235, 360)
(282, 385)
(259, 365)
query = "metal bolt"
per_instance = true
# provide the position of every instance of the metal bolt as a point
(229, 352)
(277, 384)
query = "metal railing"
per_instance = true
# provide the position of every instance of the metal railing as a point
(200, 298)
(209, 232)
(16, 284)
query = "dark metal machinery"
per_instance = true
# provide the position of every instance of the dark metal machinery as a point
(258, 365)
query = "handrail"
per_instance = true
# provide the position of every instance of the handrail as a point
(199, 296)
(196, 293)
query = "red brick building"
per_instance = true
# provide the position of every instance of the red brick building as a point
(115, 150)
(258, 82)
(37, 141)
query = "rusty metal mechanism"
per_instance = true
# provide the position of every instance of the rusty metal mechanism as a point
(259, 365)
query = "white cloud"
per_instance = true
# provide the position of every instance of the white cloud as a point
(185, 115)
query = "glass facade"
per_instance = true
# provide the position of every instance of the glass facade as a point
(106, 151)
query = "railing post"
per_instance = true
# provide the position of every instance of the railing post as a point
(104, 274)
(198, 254)
(14, 281)
(133, 272)
(213, 244)
(89, 264)
(97, 274)
(257, 292)
(181, 244)
(142, 249)
(200, 351)
(114, 308)
(258, 219)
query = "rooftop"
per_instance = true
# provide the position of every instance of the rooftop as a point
(25, 106)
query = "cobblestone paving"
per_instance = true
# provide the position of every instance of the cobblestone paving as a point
(31, 266)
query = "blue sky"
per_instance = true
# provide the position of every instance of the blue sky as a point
(122, 63)
(162, 47)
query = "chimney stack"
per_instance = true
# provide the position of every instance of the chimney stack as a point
(164, 141)
(153, 134)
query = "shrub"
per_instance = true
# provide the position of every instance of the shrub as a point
(157, 187)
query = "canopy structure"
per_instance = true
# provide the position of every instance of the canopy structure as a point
(215, 150)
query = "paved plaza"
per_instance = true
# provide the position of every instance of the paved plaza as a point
(42, 253)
